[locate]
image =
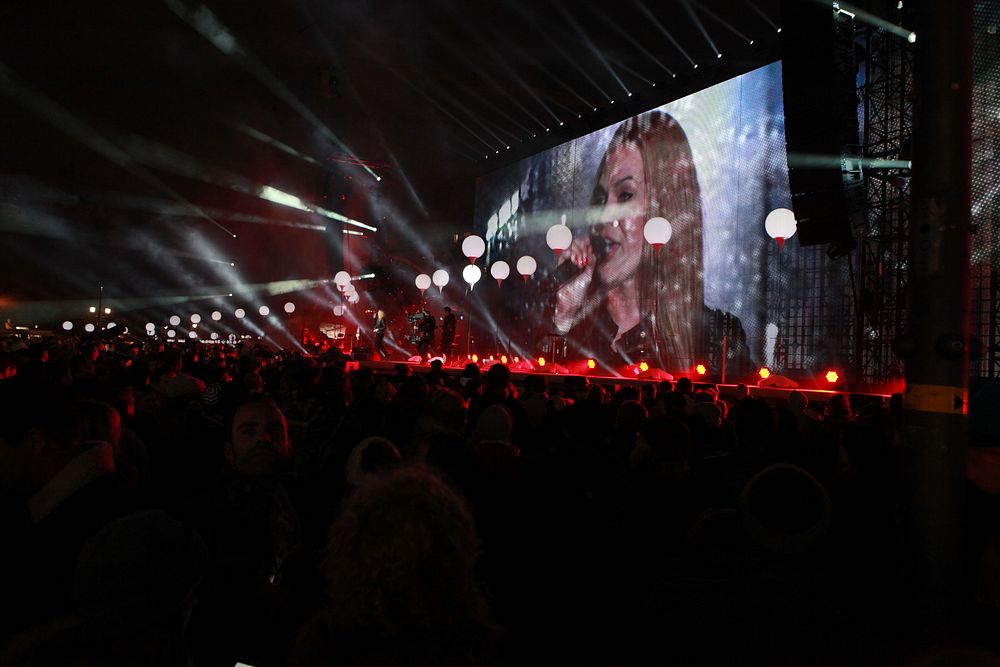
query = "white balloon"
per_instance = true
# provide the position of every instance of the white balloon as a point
(192, 334)
(215, 336)
(264, 311)
(240, 313)
(171, 333)
(175, 320)
(526, 265)
(354, 298)
(289, 307)
(559, 237)
(500, 270)
(111, 325)
(423, 281)
(89, 328)
(67, 325)
(216, 315)
(440, 278)
(338, 310)
(150, 326)
(657, 231)
(780, 224)
(472, 274)
(196, 318)
(473, 247)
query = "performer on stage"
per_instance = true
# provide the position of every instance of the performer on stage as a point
(380, 334)
(427, 326)
(447, 332)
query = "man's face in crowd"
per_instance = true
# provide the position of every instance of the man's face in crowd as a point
(258, 443)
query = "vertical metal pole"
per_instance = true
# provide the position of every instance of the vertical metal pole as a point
(933, 458)
(100, 307)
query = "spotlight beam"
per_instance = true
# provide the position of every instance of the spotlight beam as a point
(629, 38)
(666, 33)
(760, 12)
(700, 26)
(408, 81)
(723, 22)
(516, 77)
(185, 165)
(271, 141)
(69, 124)
(208, 26)
(590, 45)
(566, 56)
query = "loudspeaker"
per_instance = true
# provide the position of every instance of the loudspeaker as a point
(362, 353)
(821, 117)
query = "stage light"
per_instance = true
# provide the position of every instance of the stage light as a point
(240, 313)
(595, 108)
(560, 123)
(654, 85)
(475, 358)
(764, 373)
(700, 369)
(93, 309)
(751, 42)
(541, 361)
(216, 315)
(89, 328)
(111, 325)
(591, 364)
(630, 94)
(107, 311)
(289, 307)
(696, 65)
(643, 366)
(195, 318)
(832, 377)
(912, 38)
(378, 178)
(171, 333)
(503, 359)
(174, 320)
(779, 29)
(67, 325)
(471, 274)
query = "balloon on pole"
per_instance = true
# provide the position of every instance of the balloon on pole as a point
(500, 270)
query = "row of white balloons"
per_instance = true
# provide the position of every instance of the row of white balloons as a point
(342, 279)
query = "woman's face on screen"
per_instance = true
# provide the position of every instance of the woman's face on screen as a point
(621, 192)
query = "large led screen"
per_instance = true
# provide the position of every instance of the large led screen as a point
(707, 168)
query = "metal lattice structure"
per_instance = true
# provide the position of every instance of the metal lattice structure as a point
(886, 97)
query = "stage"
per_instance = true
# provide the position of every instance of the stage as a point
(559, 379)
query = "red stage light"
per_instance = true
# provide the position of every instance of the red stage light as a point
(591, 364)
(475, 358)
(700, 369)
(503, 358)
(764, 373)
(643, 366)
(541, 361)
(832, 377)
(517, 360)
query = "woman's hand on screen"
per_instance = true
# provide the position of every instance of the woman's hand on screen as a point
(570, 295)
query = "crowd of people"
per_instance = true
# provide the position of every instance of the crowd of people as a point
(213, 505)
